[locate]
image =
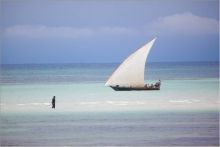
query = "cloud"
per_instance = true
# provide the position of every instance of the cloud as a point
(41, 31)
(185, 23)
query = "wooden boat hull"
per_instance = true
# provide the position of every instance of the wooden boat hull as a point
(117, 88)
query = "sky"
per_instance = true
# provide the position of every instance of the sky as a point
(103, 31)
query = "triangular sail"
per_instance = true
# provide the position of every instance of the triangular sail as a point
(131, 72)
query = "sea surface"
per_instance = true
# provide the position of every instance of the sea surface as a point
(185, 112)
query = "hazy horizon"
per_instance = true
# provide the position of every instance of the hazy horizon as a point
(108, 62)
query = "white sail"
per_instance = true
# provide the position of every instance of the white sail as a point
(131, 72)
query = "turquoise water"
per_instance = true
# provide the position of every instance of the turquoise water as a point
(92, 72)
(80, 87)
(183, 112)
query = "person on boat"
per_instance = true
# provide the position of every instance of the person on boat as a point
(157, 84)
(53, 102)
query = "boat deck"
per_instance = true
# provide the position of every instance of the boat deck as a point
(118, 88)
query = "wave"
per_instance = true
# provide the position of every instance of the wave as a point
(184, 101)
(34, 104)
(106, 103)
(119, 103)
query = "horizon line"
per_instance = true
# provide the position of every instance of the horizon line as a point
(103, 62)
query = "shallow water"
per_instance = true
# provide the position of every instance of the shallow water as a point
(174, 95)
(184, 112)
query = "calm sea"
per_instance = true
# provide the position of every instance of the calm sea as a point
(184, 112)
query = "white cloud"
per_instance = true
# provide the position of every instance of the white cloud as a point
(40, 31)
(185, 23)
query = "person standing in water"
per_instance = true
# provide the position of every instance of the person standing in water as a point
(53, 102)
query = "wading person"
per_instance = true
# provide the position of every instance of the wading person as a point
(53, 102)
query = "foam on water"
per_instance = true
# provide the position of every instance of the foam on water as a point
(184, 101)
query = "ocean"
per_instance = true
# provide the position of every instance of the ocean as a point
(185, 112)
